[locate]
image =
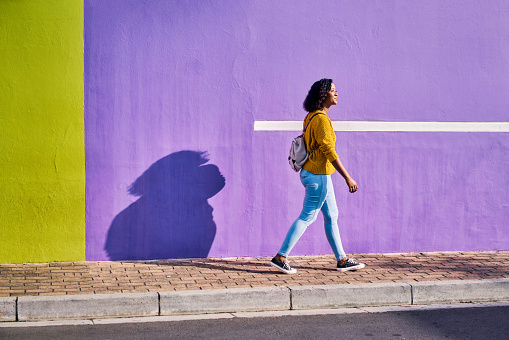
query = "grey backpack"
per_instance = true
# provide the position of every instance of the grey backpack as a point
(298, 152)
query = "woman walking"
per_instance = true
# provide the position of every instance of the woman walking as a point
(315, 175)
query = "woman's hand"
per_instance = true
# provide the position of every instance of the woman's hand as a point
(352, 185)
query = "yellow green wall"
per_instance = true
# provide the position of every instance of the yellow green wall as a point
(42, 156)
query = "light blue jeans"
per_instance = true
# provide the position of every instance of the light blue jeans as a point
(319, 196)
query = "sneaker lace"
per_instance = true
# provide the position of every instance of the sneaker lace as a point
(351, 262)
(286, 265)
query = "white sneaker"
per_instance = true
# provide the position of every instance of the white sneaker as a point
(350, 264)
(283, 266)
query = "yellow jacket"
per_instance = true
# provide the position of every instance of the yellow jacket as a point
(320, 133)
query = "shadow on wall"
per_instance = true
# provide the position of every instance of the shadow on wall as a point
(172, 218)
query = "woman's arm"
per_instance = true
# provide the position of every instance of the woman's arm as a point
(352, 185)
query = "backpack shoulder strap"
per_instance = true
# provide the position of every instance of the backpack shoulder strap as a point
(309, 121)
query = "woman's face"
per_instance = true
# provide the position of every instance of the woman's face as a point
(332, 97)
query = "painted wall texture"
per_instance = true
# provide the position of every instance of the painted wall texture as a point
(174, 167)
(173, 88)
(42, 157)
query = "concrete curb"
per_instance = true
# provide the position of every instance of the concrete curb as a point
(356, 295)
(87, 306)
(33, 308)
(460, 291)
(8, 309)
(225, 300)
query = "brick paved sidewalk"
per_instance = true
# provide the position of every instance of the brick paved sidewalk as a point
(60, 278)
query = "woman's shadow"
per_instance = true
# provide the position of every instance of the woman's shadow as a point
(172, 218)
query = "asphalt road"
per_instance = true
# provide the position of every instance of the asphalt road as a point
(458, 323)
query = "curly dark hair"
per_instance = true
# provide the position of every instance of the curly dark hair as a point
(317, 95)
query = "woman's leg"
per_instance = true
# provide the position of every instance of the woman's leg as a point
(330, 216)
(316, 192)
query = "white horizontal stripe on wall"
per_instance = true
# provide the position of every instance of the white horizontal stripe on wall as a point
(273, 125)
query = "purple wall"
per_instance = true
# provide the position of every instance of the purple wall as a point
(163, 77)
